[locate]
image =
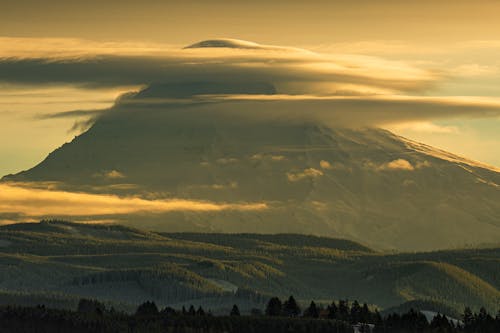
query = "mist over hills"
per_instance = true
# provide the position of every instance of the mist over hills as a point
(314, 176)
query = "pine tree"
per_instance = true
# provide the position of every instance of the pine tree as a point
(365, 314)
(467, 317)
(235, 311)
(343, 310)
(377, 318)
(147, 309)
(200, 311)
(291, 308)
(168, 311)
(274, 307)
(91, 306)
(441, 323)
(333, 311)
(312, 311)
(355, 315)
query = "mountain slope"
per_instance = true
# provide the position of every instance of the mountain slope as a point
(365, 184)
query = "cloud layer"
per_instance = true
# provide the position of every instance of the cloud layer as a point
(376, 110)
(35, 202)
(344, 89)
(291, 70)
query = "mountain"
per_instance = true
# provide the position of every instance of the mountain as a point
(57, 262)
(364, 184)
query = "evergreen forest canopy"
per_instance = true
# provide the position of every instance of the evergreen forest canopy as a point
(56, 263)
(338, 317)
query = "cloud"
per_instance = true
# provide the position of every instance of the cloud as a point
(261, 157)
(227, 160)
(291, 70)
(56, 101)
(472, 70)
(71, 114)
(277, 157)
(380, 110)
(325, 165)
(111, 174)
(74, 48)
(306, 173)
(398, 112)
(35, 202)
(243, 79)
(399, 164)
(425, 127)
(228, 186)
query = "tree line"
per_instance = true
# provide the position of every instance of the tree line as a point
(278, 316)
(368, 320)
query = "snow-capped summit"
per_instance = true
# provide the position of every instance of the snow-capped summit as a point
(225, 42)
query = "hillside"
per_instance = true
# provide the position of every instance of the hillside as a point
(59, 262)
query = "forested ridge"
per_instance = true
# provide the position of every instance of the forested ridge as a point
(56, 263)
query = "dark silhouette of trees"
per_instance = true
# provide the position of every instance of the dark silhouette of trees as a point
(291, 308)
(90, 307)
(312, 311)
(414, 320)
(355, 316)
(147, 309)
(376, 318)
(92, 316)
(483, 322)
(200, 311)
(343, 310)
(274, 307)
(467, 317)
(332, 311)
(365, 316)
(235, 311)
(168, 311)
(440, 323)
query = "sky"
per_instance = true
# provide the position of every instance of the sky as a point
(427, 70)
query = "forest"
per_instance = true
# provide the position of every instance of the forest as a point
(57, 263)
(278, 316)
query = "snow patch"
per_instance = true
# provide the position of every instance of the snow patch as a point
(429, 315)
(307, 173)
(444, 155)
(224, 285)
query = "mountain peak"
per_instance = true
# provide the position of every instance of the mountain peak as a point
(225, 43)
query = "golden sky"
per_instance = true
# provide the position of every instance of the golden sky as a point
(289, 22)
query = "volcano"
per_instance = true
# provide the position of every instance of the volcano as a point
(365, 184)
